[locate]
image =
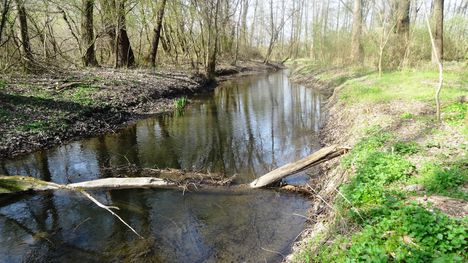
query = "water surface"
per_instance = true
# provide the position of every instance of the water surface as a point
(246, 127)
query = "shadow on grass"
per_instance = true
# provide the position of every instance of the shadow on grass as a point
(13, 102)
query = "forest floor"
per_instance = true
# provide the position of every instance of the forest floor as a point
(40, 111)
(401, 193)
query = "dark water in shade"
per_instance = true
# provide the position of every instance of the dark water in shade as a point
(246, 127)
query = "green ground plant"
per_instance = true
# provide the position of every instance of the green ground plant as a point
(444, 180)
(455, 113)
(390, 227)
(180, 103)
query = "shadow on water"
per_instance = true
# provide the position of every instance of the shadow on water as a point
(246, 127)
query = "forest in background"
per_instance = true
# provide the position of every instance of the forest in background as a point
(38, 35)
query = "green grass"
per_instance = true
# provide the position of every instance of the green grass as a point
(180, 103)
(35, 126)
(455, 113)
(408, 233)
(3, 84)
(406, 86)
(406, 148)
(81, 94)
(444, 179)
(375, 218)
(387, 226)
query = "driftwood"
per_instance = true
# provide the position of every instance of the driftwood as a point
(317, 157)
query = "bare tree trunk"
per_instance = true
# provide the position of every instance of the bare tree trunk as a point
(213, 52)
(125, 52)
(87, 34)
(26, 45)
(5, 9)
(438, 18)
(157, 34)
(245, 9)
(402, 28)
(356, 46)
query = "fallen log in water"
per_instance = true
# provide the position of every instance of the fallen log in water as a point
(317, 157)
(16, 184)
(13, 184)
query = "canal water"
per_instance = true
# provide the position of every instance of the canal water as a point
(247, 126)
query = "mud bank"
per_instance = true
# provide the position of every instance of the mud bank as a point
(41, 111)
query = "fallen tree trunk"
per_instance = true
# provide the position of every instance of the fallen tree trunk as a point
(317, 157)
(13, 184)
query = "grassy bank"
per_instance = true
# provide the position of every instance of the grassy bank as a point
(401, 193)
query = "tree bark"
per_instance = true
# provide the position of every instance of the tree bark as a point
(87, 34)
(402, 9)
(124, 51)
(356, 46)
(5, 10)
(319, 156)
(438, 18)
(26, 45)
(157, 34)
(213, 51)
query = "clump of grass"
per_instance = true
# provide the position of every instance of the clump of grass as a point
(35, 126)
(82, 94)
(180, 103)
(455, 113)
(406, 148)
(438, 179)
(407, 116)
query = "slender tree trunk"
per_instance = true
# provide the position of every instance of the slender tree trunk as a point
(213, 52)
(5, 10)
(438, 18)
(157, 34)
(356, 47)
(87, 34)
(26, 45)
(441, 71)
(245, 9)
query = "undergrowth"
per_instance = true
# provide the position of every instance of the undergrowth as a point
(387, 226)
(444, 180)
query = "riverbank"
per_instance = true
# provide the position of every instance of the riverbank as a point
(41, 111)
(402, 191)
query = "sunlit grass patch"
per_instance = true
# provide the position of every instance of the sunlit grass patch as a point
(404, 85)
(406, 234)
(455, 113)
(445, 179)
(81, 94)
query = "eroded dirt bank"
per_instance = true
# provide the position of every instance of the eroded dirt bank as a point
(40, 111)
